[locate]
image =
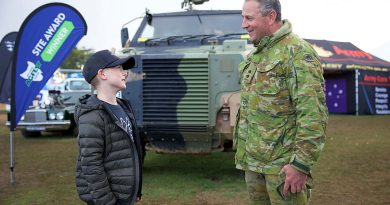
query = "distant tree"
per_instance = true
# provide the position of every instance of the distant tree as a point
(76, 58)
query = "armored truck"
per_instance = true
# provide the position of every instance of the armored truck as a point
(184, 87)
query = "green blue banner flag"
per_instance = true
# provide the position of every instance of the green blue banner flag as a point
(44, 40)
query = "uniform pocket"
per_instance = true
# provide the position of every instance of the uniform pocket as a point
(240, 138)
(265, 141)
(270, 93)
(267, 79)
(240, 144)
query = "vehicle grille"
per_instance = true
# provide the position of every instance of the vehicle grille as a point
(176, 92)
(35, 116)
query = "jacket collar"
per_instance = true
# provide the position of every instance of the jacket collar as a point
(269, 41)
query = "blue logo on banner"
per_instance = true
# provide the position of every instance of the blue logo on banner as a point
(44, 40)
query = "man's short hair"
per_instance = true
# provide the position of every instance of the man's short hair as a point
(267, 5)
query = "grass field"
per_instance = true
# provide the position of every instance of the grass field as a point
(353, 169)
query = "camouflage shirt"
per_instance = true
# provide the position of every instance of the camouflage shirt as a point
(283, 113)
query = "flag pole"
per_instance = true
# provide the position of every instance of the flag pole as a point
(11, 167)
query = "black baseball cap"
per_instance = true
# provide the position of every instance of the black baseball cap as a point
(104, 59)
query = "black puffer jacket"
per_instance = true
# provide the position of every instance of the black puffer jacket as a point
(109, 165)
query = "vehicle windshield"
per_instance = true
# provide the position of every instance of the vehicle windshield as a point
(193, 25)
(79, 85)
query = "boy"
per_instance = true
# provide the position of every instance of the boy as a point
(109, 165)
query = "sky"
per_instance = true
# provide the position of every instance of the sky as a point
(360, 22)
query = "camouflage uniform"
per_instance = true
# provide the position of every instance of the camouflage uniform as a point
(283, 113)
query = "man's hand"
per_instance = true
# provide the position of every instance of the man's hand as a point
(295, 180)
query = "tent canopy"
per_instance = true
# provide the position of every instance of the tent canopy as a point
(346, 56)
(355, 81)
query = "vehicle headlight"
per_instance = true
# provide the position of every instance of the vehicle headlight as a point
(60, 116)
(22, 118)
(52, 116)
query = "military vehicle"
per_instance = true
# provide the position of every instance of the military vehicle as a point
(184, 87)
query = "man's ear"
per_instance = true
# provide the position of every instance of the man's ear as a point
(272, 17)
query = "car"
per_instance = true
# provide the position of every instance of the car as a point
(53, 108)
(184, 87)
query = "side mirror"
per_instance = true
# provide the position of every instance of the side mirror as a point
(124, 36)
(149, 17)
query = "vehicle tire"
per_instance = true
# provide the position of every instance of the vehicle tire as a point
(27, 134)
(143, 145)
(73, 129)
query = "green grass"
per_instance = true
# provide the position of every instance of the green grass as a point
(353, 169)
(191, 178)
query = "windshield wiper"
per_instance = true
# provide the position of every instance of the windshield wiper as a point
(170, 38)
(230, 34)
(154, 41)
(203, 36)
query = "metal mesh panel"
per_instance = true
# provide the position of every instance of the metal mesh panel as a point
(175, 91)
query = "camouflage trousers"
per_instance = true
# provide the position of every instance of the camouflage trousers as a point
(268, 189)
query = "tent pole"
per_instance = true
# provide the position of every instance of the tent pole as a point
(11, 167)
(357, 91)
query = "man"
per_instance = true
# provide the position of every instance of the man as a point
(280, 130)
